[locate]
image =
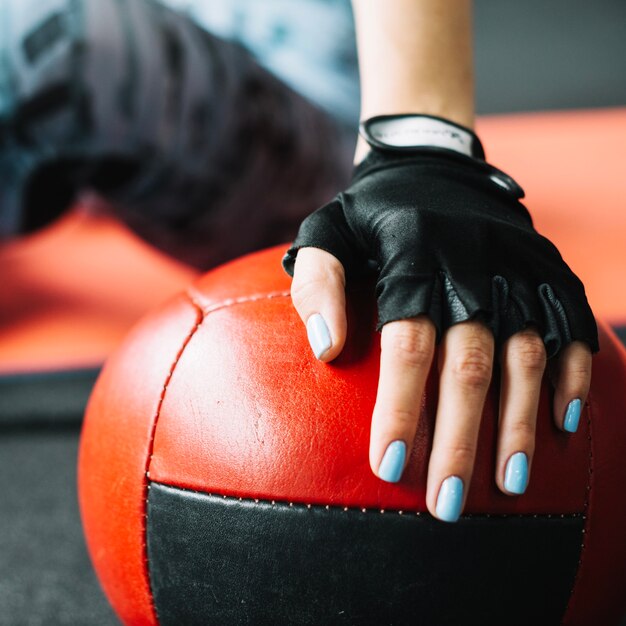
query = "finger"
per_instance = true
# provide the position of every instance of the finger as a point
(318, 294)
(407, 348)
(523, 361)
(572, 381)
(466, 366)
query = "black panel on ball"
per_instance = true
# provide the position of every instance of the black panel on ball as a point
(226, 561)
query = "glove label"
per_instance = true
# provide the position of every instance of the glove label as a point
(406, 132)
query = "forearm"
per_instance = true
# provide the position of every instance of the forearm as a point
(415, 56)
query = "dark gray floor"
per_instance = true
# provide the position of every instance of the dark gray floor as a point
(45, 575)
(44, 400)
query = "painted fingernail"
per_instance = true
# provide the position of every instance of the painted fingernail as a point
(450, 499)
(516, 473)
(572, 416)
(390, 468)
(318, 334)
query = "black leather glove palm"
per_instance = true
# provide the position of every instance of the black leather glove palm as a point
(450, 239)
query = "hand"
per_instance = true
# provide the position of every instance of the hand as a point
(459, 261)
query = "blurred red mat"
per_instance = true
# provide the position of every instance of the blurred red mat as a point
(71, 292)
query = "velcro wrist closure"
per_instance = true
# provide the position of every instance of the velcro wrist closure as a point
(410, 132)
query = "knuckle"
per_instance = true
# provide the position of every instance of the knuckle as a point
(575, 389)
(522, 432)
(302, 295)
(402, 418)
(472, 367)
(459, 453)
(304, 288)
(530, 353)
(577, 378)
(578, 371)
(308, 290)
(412, 346)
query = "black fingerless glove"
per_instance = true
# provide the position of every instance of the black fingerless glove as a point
(450, 240)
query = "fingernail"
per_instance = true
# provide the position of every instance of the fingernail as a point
(390, 468)
(450, 499)
(572, 416)
(516, 473)
(318, 334)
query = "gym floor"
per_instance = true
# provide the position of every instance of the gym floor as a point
(530, 56)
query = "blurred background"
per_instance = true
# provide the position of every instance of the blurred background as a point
(59, 318)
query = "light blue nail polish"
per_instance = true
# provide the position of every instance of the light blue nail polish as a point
(390, 468)
(516, 473)
(572, 416)
(450, 499)
(318, 334)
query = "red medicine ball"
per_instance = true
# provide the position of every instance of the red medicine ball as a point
(224, 479)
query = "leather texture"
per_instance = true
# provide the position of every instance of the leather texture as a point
(599, 594)
(227, 562)
(220, 393)
(449, 239)
(115, 447)
(247, 393)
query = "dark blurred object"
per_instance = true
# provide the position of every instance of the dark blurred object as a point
(181, 131)
(44, 399)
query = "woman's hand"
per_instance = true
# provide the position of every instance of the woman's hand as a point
(465, 356)
(460, 262)
(462, 276)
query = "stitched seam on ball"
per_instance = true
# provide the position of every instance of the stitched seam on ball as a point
(168, 378)
(585, 515)
(197, 298)
(328, 507)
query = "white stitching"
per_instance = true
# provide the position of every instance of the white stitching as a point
(345, 509)
(198, 299)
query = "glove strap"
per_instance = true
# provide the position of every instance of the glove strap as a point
(410, 132)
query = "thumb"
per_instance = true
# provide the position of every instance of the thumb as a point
(318, 294)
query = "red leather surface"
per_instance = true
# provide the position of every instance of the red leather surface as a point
(219, 392)
(250, 412)
(115, 447)
(599, 595)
